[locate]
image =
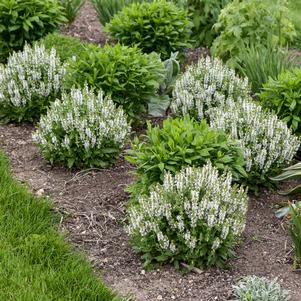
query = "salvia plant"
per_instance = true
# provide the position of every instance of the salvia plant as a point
(268, 144)
(253, 288)
(82, 130)
(29, 82)
(182, 142)
(194, 217)
(205, 85)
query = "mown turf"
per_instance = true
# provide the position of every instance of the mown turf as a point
(36, 264)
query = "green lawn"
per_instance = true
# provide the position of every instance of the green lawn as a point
(36, 264)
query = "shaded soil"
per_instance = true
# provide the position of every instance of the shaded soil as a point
(93, 203)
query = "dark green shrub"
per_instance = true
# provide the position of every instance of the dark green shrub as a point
(283, 95)
(259, 62)
(159, 26)
(204, 14)
(252, 21)
(27, 20)
(66, 47)
(106, 9)
(182, 142)
(72, 8)
(124, 73)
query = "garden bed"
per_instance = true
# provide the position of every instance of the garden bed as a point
(92, 204)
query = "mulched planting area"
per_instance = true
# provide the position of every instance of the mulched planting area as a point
(93, 205)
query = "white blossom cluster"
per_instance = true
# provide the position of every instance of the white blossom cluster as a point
(31, 75)
(205, 85)
(266, 141)
(196, 207)
(81, 123)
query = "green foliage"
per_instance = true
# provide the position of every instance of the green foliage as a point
(36, 262)
(30, 81)
(82, 130)
(72, 8)
(295, 232)
(283, 96)
(181, 142)
(204, 14)
(26, 21)
(124, 73)
(248, 22)
(106, 9)
(259, 63)
(158, 26)
(66, 47)
(291, 172)
(195, 217)
(253, 288)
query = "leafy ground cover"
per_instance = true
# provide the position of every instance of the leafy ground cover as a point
(36, 262)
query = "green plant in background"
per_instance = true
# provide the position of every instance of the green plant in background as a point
(66, 47)
(82, 130)
(260, 62)
(295, 232)
(204, 14)
(124, 73)
(30, 81)
(268, 144)
(158, 104)
(242, 23)
(253, 288)
(181, 142)
(194, 217)
(27, 21)
(72, 8)
(158, 26)
(106, 9)
(283, 96)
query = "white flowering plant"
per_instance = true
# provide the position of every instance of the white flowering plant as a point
(195, 217)
(268, 144)
(82, 130)
(31, 80)
(205, 85)
(253, 288)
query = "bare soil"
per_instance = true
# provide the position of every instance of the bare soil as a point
(92, 204)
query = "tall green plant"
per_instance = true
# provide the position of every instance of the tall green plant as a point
(72, 8)
(260, 62)
(295, 232)
(26, 21)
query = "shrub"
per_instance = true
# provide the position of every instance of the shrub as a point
(204, 14)
(194, 217)
(267, 143)
(106, 9)
(28, 83)
(72, 8)
(158, 26)
(205, 85)
(259, 289)
(253, 21)
(82, 130)
(182, 142)
(283, 96)
(66, 47)
(259, 63)
(27, 20)
(126, 74)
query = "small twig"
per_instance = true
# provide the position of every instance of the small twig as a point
(193, 269)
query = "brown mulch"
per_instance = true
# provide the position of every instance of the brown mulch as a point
(93, 204)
